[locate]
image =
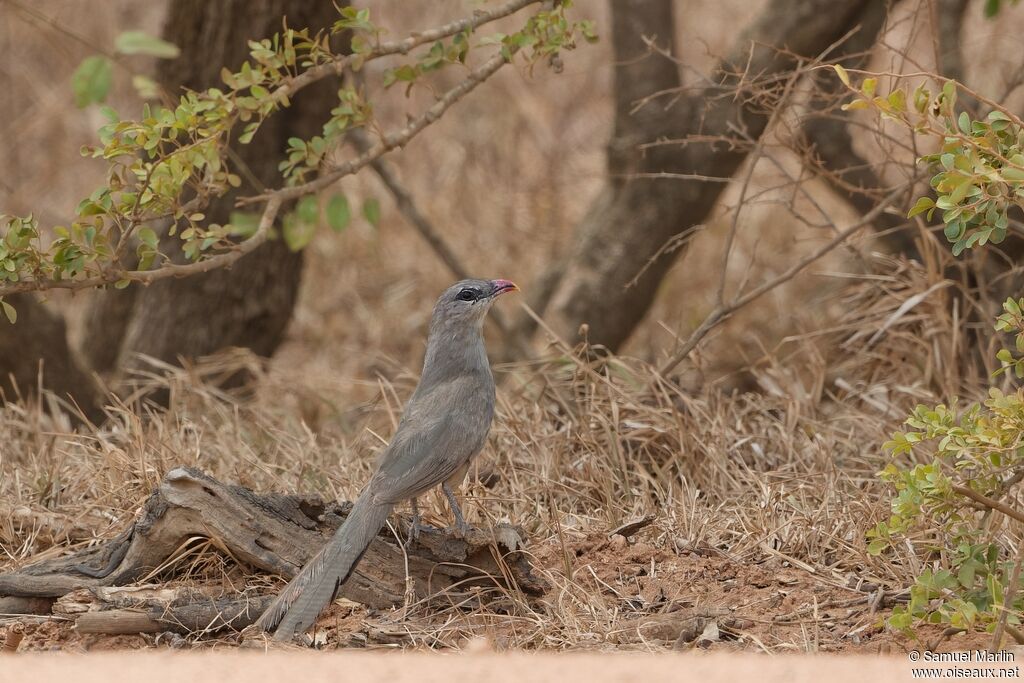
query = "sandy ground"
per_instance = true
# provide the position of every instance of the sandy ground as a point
(281, 667)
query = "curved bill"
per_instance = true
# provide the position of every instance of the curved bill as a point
(499, 287)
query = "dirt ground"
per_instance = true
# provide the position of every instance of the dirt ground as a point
(427, 668)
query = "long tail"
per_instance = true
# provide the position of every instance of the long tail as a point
(302, 600)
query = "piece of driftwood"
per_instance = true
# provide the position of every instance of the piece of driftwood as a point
(12, 606)
(193, 617)
(156, 608)
(274, 533)
(15, 634)
(631, 527)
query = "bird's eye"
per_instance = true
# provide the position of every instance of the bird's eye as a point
(466, 295)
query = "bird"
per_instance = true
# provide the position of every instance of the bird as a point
(443, 427)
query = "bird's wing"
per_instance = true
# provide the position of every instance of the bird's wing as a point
(440, 431)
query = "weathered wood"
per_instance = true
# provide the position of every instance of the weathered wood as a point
(214, 615)
(273, 533)
(14, 635)
(10, 606)
(631, 527)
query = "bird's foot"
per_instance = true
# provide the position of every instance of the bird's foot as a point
(416, 527)
(461, 528)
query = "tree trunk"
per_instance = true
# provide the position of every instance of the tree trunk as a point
(636, 216)
(35, 352)
(249, 305)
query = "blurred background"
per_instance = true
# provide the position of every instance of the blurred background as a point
(510, 173)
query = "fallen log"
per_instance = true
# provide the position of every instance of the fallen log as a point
(210, 616)
(272, 533)
(11, 606)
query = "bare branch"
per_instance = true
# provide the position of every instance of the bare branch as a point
(990, 503)
(722, 311)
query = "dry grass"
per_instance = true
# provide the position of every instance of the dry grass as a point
(778, 481)
(740, 483)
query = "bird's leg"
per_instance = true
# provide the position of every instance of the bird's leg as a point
(416, 525)
(460, 523)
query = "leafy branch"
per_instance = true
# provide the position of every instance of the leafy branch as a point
(171, 162)
(978, 168)
(958, 503)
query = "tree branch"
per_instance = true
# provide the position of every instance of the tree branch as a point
(342, 62)
(991, 503)
(722, 311)
(407, 207)
(275, 198)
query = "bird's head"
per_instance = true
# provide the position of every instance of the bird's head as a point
(468, 301)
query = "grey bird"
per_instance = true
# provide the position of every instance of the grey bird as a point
(444, 425)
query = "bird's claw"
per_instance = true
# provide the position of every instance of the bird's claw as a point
(461, 529)
(416, 527)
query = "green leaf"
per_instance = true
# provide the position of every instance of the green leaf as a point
(923, 204)
(141, 43)
(244, 223)
(91, 80)
(308, 209)
(841, 72)
(876, 546)
(371, 211)
(148, 237)
(146, 87)
(250, 130)
(338, 212)
(297, 232)
(897, 100)
(1013, 175)
(9, 311)
(961, 190)
(964, 122)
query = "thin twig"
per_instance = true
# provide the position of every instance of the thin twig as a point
(343, 62)
(408, 207)
(992, 503)
(721, 312)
